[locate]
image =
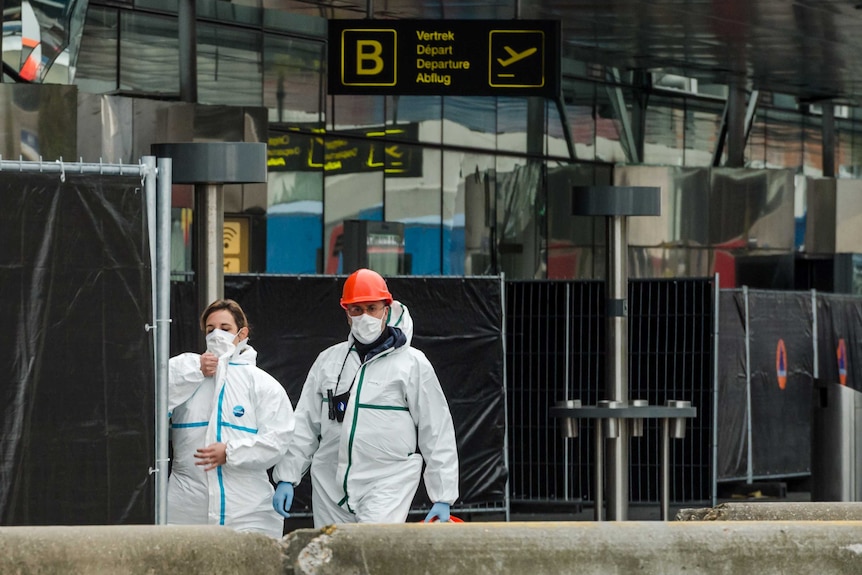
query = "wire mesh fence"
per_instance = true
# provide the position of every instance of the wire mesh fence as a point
(556, 351)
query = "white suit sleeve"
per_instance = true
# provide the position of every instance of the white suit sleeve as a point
(275, 424)
(184, 378)
(306, 437)
(436, 433)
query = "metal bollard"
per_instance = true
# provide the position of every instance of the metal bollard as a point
(611, 424)
(569, 425)
(677, 430)
(637, 423)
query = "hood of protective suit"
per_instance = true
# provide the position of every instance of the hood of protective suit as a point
(400, 319)
(244, 354)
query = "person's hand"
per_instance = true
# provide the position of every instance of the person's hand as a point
(211, 456)
(440, 511)
(209, 363)
(283, 498)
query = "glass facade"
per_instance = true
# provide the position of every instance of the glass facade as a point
(476, 181)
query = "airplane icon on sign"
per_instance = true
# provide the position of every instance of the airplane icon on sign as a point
(515, 56)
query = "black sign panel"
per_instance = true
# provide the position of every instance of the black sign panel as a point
(292, 151)
(445, 57)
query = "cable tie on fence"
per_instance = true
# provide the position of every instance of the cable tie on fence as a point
(156, 469)
(148, 326)
(62, 170)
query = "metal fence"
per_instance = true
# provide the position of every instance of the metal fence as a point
(555, 350)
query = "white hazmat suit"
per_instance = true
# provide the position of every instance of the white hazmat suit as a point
(248, 410)
(367, 468)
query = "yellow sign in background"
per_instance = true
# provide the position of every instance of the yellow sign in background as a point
(236, 245)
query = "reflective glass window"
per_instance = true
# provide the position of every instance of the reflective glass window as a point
(425, 111)
(413, 197)
(149, 54)
(579, 98)
(352, 190)
(350, 112)
(608, 128)
(783, 139)
(294, 216)
(513, 121)
(470, 122)
(469, 214)
(239, 11)
(97, 58)
(812, 154)
(229, 66)
(293, 88)
(663, 133)
(702, 127)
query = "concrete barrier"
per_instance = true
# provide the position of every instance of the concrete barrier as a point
(137, 549)
(775, 511)
(585, 548)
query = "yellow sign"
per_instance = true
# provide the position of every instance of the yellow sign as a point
(236, 245)
(444, 57)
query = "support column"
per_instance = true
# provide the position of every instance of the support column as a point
(736, 125)
(616, 203)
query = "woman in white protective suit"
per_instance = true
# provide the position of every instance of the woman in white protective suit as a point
(230, 422)
(369, 407)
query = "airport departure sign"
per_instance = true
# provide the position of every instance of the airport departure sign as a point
(444, 57)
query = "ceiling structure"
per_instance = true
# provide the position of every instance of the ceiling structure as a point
(810, 49)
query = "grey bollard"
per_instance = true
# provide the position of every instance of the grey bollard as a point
(611, 425)
(638, 422)
(677, 430)
(569, 425)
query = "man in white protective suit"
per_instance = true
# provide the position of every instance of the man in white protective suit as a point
(370, 412)
(230, 422)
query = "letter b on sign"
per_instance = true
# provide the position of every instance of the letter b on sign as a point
(368, 57)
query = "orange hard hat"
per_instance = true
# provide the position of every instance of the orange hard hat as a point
(363, 286)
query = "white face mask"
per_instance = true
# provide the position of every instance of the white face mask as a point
(220, 342)
(366, 328)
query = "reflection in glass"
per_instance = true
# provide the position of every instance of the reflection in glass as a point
(470, 122)
(580, 100)
(702, 126)
(512, 124)
(470, 203)
(664, 132)
(413, 198)
(608, 145)
(423, 110)
(294, 224)
(228, 66)
(355, 112)
(149, 54)
(293, 89)
(97, 60)
(350, 192)
(520, 200)
(812, 152)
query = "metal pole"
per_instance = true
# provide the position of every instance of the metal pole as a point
(665, 468)
(748, 431)
(506, 496)
(716, 310)
(163, 335)
(599, 440)
(617, 363)
(209, 209)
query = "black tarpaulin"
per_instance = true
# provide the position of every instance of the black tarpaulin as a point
(781, 360)
(458, 325)
(76, 361)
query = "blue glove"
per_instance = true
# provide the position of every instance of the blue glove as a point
(440, 511)
(283, 499)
